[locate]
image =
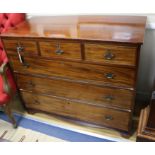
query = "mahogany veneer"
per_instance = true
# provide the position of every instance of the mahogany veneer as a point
(79, 67)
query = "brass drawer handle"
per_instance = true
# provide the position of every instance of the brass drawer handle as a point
(109, 55)
(59, 51)
(108, 117)
(109, 75)
(109, 97)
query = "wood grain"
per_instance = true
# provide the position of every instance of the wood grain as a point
(86, 72)
(93, 114)
(126, 29)
(123, 55)
(70, 50)
(29, 47)
(91, 94)
(82, 67)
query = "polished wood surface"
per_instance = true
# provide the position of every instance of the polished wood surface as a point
(88, 113)
(29, 47)
(119, 77)
(123, 55)
(60, 49)
(84, 93)
(80, 67)
(111, 54)
(128, 29)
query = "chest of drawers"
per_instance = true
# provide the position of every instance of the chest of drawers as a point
(78, 67)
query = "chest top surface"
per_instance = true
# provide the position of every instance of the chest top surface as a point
(128, 29)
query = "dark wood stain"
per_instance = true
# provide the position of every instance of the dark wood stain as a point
(84, 92)
(126, 29)
(121, 76)
(99, 116)
(85, 68)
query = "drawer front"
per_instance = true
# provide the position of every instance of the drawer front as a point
(88, 113)
(113, 54)
(27, 47)
(77, 71)
(55, 49)
(91, 94)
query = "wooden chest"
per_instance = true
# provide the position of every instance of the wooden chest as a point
(79, 67)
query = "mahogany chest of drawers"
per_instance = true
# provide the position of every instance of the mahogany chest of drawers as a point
(79, 67)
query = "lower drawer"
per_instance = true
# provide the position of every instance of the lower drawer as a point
(87, 113)
(101, 96)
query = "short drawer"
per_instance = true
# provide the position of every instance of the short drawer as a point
(91, 94)
(27, 47)
(113, 54)
(115, 76)
(60, 49)
(83, 112)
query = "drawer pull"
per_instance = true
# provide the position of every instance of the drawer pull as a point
(108, 117)
(109, 56)
(19, 49)
(59, 51)
(109, 75)
(109, 98)
(21, 59)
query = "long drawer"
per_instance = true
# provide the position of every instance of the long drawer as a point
(115, 76)
(91, 94)
(83, 112)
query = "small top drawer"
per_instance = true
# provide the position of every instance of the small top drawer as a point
(60, 49)
(113, 54)
(27, 47)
